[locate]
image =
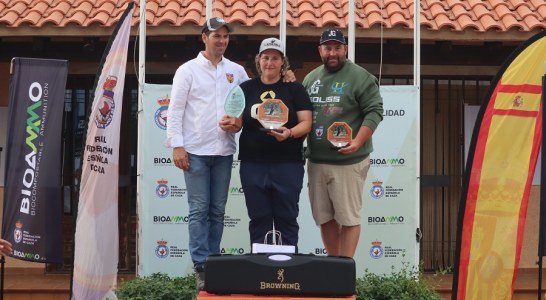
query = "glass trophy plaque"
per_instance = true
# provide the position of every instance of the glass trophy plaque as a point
(235, 102)
(340, 134)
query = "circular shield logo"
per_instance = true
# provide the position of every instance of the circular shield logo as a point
(377, 191)
(160, 117)
(17, 235)
(162, 191)
(376, 252)
(161, 251)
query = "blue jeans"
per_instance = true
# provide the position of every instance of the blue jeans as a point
(207, 183)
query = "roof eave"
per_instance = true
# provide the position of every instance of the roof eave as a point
(166, 30)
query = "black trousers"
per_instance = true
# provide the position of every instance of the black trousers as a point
(272, 193)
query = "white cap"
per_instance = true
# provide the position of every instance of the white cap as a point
(272, 43)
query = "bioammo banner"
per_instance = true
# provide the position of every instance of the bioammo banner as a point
(391, 195)
(32, 211)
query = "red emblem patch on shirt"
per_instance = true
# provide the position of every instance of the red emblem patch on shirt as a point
(230, 77)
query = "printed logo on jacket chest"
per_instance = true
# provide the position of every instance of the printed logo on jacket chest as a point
(338, 88)
(319, 131)
(332, 110)
(314, 88)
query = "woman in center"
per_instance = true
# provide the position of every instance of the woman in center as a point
(272, 161)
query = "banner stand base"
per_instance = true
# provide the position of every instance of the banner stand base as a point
(2, 269)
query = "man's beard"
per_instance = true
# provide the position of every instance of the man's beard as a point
(333, 69)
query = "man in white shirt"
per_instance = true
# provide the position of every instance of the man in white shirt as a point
(202, 147)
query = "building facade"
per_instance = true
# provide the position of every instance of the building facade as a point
(463, 44)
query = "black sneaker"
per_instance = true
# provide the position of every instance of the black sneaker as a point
(200, 278)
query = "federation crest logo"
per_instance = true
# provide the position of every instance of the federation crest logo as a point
(17, 232)
(162, 189)
(319, 131)
(376, 252)
(107, 105)
(230, 77)
(377, 191)
(162, 251)
(160, 115)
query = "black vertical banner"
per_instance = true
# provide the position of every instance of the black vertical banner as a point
(32, 192)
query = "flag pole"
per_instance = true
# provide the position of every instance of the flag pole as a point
(417, 43)
(351, 31)
(208, 9)
(542, 209)
(282, 25)
(417, 85)
(141, 82)
(2, 259)
(2, 264)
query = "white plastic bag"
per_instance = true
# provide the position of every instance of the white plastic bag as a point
(276, 247)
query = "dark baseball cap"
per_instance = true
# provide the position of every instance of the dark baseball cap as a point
(214, 24)
(332, 34)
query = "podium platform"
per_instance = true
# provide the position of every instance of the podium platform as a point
(206, 296)
(286, 275)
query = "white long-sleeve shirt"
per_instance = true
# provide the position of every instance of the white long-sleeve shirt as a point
(198, 95)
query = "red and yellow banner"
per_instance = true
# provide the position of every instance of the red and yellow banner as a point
(498, 177)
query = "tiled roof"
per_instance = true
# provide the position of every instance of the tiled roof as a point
(453, 15)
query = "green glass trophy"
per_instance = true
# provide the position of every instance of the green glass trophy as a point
(235, 102)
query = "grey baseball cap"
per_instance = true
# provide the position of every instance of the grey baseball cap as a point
(214, 24)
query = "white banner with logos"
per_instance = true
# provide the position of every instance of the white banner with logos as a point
(390, 216)
(391, 195)
(162, 207)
